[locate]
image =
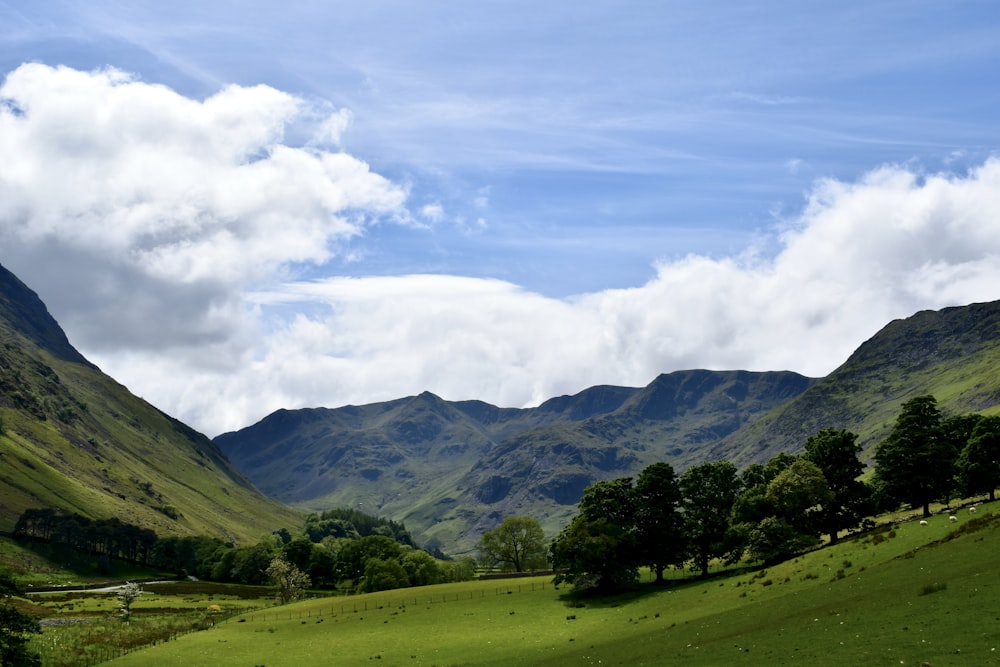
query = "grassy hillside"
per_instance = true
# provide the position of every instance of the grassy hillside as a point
(73, 438)
(904, 594)
(953, 354)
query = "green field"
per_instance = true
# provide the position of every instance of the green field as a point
(904, 594)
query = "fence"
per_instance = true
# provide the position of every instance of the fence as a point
(102, 653)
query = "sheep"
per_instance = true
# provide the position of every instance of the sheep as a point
(973, 509)
(923, 522)
(953, 518)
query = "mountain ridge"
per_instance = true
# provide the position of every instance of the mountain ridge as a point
(537, 461)
(468, 460)
(73, 438)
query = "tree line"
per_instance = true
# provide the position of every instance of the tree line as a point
(72, 535)
(344, 549)
(770, 512)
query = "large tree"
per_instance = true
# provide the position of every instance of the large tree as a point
(835, 452)
(598, 548)
(708, 493)
(518, 543)
(915, 464)
(779, 515)
(15, 625)
(659, 524)
(979, 463)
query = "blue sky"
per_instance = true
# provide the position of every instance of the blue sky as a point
(641, 186)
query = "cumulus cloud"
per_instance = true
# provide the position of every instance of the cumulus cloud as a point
(166, 234)
(153, 203)
(859, 255)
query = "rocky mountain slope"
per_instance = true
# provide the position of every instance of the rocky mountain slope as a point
(73, 438)
(953, 354)
(452, 469)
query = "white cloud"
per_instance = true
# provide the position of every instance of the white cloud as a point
(154, 201)
(165, 233)
(859, 255)
(433, 212)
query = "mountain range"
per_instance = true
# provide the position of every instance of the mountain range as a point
(451, 470)
(73, 438)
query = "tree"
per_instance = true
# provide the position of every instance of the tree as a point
(708, 493)
(421, 568)
(289, 580)
(354, 555)
(14, 626)
(915, 463)
(383, 575)
(798, 493)
(659, 524)
(128, 594)
(298, 552)
(597, 549)
(250, 563)
(835, 452)
(979, 463)
(518, 543)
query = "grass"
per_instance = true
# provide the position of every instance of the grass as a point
(107, 453)
(32, 567)
(905, 594)
(86, 627)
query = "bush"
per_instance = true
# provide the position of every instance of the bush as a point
(932, 588)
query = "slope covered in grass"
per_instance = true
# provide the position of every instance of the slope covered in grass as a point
(905, 594)
(953, 353)
(73, 438)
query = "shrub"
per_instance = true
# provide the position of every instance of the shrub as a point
(932, 588)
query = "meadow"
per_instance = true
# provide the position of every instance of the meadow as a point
(901, 594)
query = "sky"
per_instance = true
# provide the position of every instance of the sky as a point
(237, 207)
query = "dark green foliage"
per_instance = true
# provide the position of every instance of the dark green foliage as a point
(836, 452)
(75, 533)
(773, 539)
(195, 556)
(299, 552)
(517, 544)
(798, 493)
(354, 555)
(250, 563)
(353, 523)
(979, 463)
(421, 568)
(598, 548)
(915, 464)
(659, 524)
(383, 574)
(15, 625)
(782, 515)
(709, 492)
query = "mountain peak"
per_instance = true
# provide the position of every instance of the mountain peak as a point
(24, 312)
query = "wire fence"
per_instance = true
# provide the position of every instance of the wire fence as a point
(100, 653)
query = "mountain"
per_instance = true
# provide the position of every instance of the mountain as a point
(73, 438)
(953, 354)
(450, 470)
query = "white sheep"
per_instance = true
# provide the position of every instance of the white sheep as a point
(923, 522)
(953, 518)
(973, 509)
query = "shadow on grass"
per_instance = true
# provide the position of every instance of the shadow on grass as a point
(598, 599)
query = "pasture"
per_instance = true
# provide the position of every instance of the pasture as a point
(904, 594)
